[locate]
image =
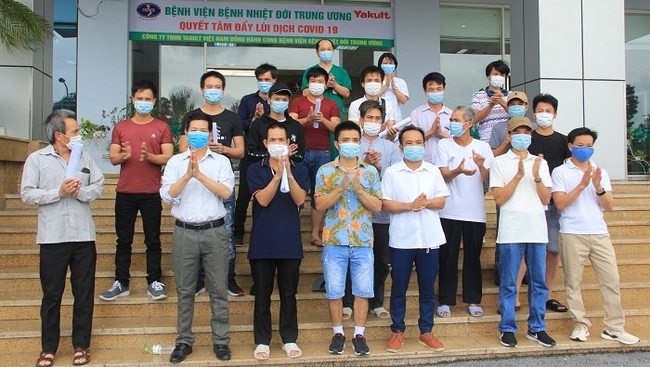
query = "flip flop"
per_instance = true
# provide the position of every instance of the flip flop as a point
(444, 311)
(49, 361)
(475, 311)
(81, 356)
(347, 313)
(381, 312)
(264, 350)
(292, 347)
(555, 305)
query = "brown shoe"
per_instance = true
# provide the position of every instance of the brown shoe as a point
(430, 341)
(394, 343)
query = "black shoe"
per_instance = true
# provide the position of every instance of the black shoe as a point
(252, 291)
(337, 346)
(200, 287)
(180, 353)
(360, 346)
(222, 351)
(239, 239)
(508, 340)
(234, 289)
(541, 337)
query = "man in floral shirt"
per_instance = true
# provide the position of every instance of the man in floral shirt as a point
(349, 190)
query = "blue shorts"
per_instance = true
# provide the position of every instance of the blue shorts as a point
(336, 260)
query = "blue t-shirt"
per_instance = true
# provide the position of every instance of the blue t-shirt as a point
(276, 227)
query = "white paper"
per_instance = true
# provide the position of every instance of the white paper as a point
(73, 163)
(215, 133)
(399, 125)
(317, 108)
(284, 183)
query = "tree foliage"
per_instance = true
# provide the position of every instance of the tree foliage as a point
(21, 28)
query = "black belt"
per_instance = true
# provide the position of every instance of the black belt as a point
(203, 225)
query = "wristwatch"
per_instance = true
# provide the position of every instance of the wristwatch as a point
(601, 193)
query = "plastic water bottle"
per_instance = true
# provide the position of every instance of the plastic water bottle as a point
(159, 349)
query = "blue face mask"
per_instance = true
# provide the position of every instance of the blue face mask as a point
(414, 153)
(279, 106)
(435, 98)
(349, 150)
(198, 139)
(213, 96)
(264, 87)
(143, 107)
(517, 111)
(325, 56)
(520, 142)
(388, 68)
(456, 129)
(582, 154)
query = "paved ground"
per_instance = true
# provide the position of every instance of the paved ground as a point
(629, 359)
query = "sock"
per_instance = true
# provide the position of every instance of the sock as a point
(358, 330)
(338, 330)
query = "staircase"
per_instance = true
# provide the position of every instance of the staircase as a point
(121, 328)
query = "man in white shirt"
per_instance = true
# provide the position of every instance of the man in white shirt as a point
(464, 163)
(199, 178)
(582, 191)
(521, 185)
(433, 116)
(371, 78)
(413, 191)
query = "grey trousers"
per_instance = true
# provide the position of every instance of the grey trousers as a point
(188, 247)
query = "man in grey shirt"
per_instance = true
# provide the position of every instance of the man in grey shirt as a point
(66, 232)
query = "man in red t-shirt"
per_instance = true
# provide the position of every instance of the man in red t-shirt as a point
(317, 123)
(141, 145)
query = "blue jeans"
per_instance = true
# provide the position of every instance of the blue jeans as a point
(426, 267)
(313, 160)
(510, 256)
(337, 259)
(230, 213)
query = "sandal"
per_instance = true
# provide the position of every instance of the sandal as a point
(292, 350)
(347, 313)
(44, 358)
(475, 310)
(262, 352)
(81, 356)
(444, 311)
(381, 312)
(555, 305)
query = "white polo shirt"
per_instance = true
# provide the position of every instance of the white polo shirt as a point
(354, 114)
(424, 117)
(522, 218)
(414, 230)
(466, 201)
(584, 215)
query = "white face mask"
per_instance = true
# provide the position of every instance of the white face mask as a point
(497, 81)
(371, 128)
(316, 89)
(544, 119)
(277, 150)
(372, 89)
(73, 140)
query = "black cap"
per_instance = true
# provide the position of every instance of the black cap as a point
(280, 88)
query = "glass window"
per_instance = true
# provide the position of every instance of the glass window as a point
(64, 68)
(637, 76)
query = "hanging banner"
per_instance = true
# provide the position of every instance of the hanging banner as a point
(256, 23)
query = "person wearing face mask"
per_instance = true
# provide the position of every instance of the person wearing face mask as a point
(229, 142)
(521, 185)
(254, 105)
(276, 242)
(413, 192)
(489, 104)
(553, 145)
(66, 233)
(582, 191)
(433, 116)
(196, 183)
(499, 137)
(464, 163)
(348, 189)
(318, 126)
(393, 89)
(371, 79)
(140, 145)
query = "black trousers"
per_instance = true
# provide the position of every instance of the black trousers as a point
(126, 211)
(472, 234)
(243, 199)
(55, 259)
(263, 271)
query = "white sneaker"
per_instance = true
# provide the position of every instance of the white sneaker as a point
(620, 336)
(580, 333)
